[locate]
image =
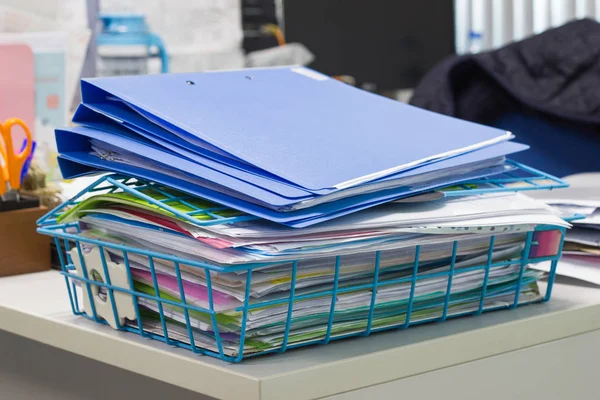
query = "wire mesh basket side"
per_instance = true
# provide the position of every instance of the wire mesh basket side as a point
(183, 318)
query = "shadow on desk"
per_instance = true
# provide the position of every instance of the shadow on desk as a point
(33, 371)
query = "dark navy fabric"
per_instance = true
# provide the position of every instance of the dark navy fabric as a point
(544, 89)
(558, 147)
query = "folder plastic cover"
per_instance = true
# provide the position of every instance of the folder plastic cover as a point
(76, 159)
(286, 195)
(293, 123)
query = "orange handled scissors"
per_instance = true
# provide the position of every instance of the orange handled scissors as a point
(10, 181)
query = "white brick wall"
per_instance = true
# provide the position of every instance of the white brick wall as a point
(502, 21)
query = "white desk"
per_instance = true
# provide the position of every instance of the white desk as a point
(500, 352)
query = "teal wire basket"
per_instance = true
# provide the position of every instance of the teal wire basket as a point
(105, 288)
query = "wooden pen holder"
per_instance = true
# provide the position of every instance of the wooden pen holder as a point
(22, 249)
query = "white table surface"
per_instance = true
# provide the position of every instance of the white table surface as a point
(36, 306)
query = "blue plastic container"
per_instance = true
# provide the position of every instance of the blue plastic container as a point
(125, 45)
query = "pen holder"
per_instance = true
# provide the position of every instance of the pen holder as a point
(23, 249)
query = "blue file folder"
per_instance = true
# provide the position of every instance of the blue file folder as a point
(209, 168)
(76, 159)
(86, 116)
(293, 123)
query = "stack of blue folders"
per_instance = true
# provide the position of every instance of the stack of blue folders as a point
(232, 171)
(289, 145)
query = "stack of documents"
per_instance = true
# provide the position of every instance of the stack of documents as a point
(285, 144)
(123, 218)
(392, 229)
(581, 250)
(330, 187)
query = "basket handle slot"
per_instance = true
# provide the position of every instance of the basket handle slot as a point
(94, 266)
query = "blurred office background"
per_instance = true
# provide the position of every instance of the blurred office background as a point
(377, 34)
(385, 46)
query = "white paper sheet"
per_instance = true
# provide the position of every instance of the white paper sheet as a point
(584, 268)
(584, 190)
(590, 237)
(404, 215)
